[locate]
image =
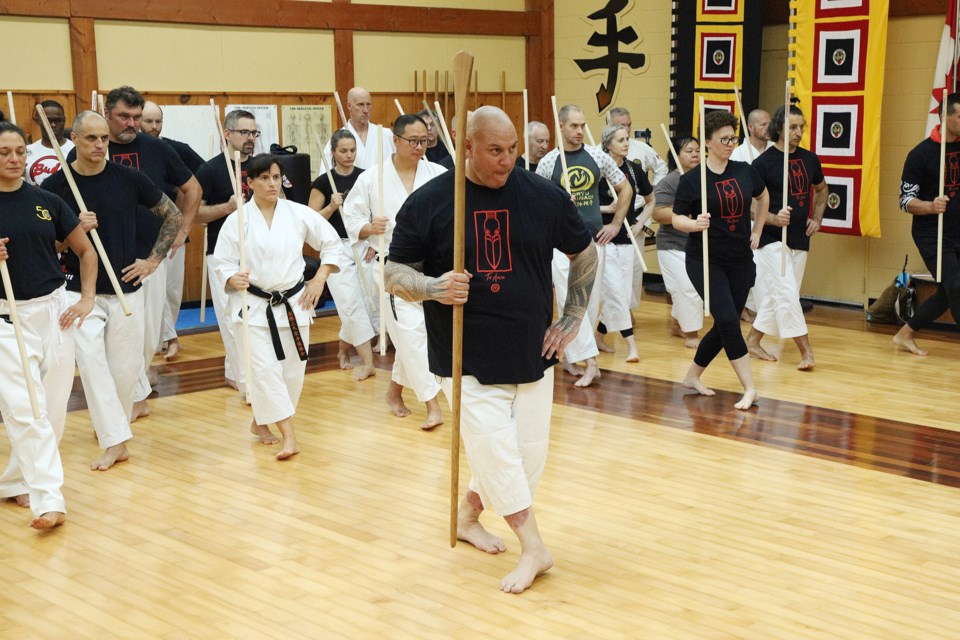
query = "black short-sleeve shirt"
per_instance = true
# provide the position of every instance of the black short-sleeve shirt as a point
(114, 194)
(34, 220)
(729, 196)
(344, 184)
(921, 179)
(511, 233)
(638, 181)
(522, 164)
(217, 189)
(804, 171)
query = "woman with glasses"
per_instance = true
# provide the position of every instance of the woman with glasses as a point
(367, 219)
(279, 303)
(617, 285)
(732, 187)
(357, 327)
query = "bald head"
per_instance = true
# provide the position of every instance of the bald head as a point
(85, 118)
(91, 135)
(152, 121)
(491, 146)
(757, 122)
(486, 119)
(358, 107)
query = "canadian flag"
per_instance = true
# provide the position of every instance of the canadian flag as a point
(943, 76)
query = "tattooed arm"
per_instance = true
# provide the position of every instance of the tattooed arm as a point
(583, 270)
(172, 217)
(407, 281)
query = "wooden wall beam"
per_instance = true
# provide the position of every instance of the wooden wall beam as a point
(43, 9)
(83, 55)
(540, 67)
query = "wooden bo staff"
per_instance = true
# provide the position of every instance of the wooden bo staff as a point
(785, 133)
(203, 259)
(673, 152)
(424, 84)
(93, 100)
(396, 101)
(743, 125)
(13, 110)
(943, 166)
(447, 140)
(476, 89)
(241, 239)
(526, 125)
(626, 224)
(18, 333)
(564, 182)
(333, 189)
(703, 211)
(503, 90)
(382, 254)
(343, 116)
(68, 174)
(462, 65)
(101, 105)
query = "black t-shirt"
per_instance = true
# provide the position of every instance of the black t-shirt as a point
(344, 184)
(633, 172)
(511, 233)
(217, 189)
(921, 179)
(34, 220)
(185, 152)
(523, 164)
(162, 165)
(729, 196)
(115, 195)
(437, 153)
(804, 172)
(448, 163)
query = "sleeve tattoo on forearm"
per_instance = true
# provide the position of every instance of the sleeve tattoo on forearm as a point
(408, 282)
(172, 217)
(583, 270)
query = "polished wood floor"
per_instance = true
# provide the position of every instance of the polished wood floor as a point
(829, 511)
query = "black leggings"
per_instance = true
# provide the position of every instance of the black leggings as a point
(729, 286)
(947, 295)
(602, 329)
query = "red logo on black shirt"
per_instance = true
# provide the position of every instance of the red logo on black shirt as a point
(731, 200)
(951, 173)
(493, 245)
(131, 160)
(799, 182)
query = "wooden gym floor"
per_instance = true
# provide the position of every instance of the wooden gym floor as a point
(830, 511)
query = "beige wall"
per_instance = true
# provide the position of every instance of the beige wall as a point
(492, 5)
(198, 58)
(36, 55)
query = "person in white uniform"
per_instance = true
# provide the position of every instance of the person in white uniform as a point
(364, 131)
(403, 173)
(758, 138)
(110, 344)
(280, 302)
(509, 343)
(32, 223)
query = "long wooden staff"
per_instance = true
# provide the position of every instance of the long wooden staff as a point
(785, 133)
(366, 292)
(241, 238)
(526, 136)
(626, 224)
(673, 152)
(743, 126)
(13, 110)
(68, 174)
(382, 254)
(943, 167)
(396, 101)
(462, 66)
(564, 181)
(343, 116)
(18, 332)
(703, 211)
(203, 259)
(447, 140)
(237, 187)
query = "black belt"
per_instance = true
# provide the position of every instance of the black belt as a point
(277, 298)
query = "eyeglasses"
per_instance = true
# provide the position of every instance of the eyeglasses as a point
(728, 140)
(245, 133)
(416, 142)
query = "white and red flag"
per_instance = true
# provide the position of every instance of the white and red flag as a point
(944, 75)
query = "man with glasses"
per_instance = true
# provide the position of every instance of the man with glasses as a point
(132, 148)
(436, 150)
(358, 123)
(42, 162)
(586, 168)
(403, 173)
(240, 133)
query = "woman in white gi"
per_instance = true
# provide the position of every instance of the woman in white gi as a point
(32, 222)
(686, 314)
(280, 304)
(617, 285)
(348, 287)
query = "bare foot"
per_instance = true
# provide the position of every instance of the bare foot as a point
(532, 564)
(395, 400)
(602, 346)
(140, 410)
(806, 363)
(22, 500)
(747, 316)
(290, 447)
(691, 382)
(434, 416)
(49, 520)
(756, 351)
(473, 532)
(675, 328)
(363, 372)
(173, 349)
(590, 375)
(633, 356)
(343, 355)
(112, 455)
(691, 339)
(905, 340)
(572, 368)
(262, 431)
(748, 400)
